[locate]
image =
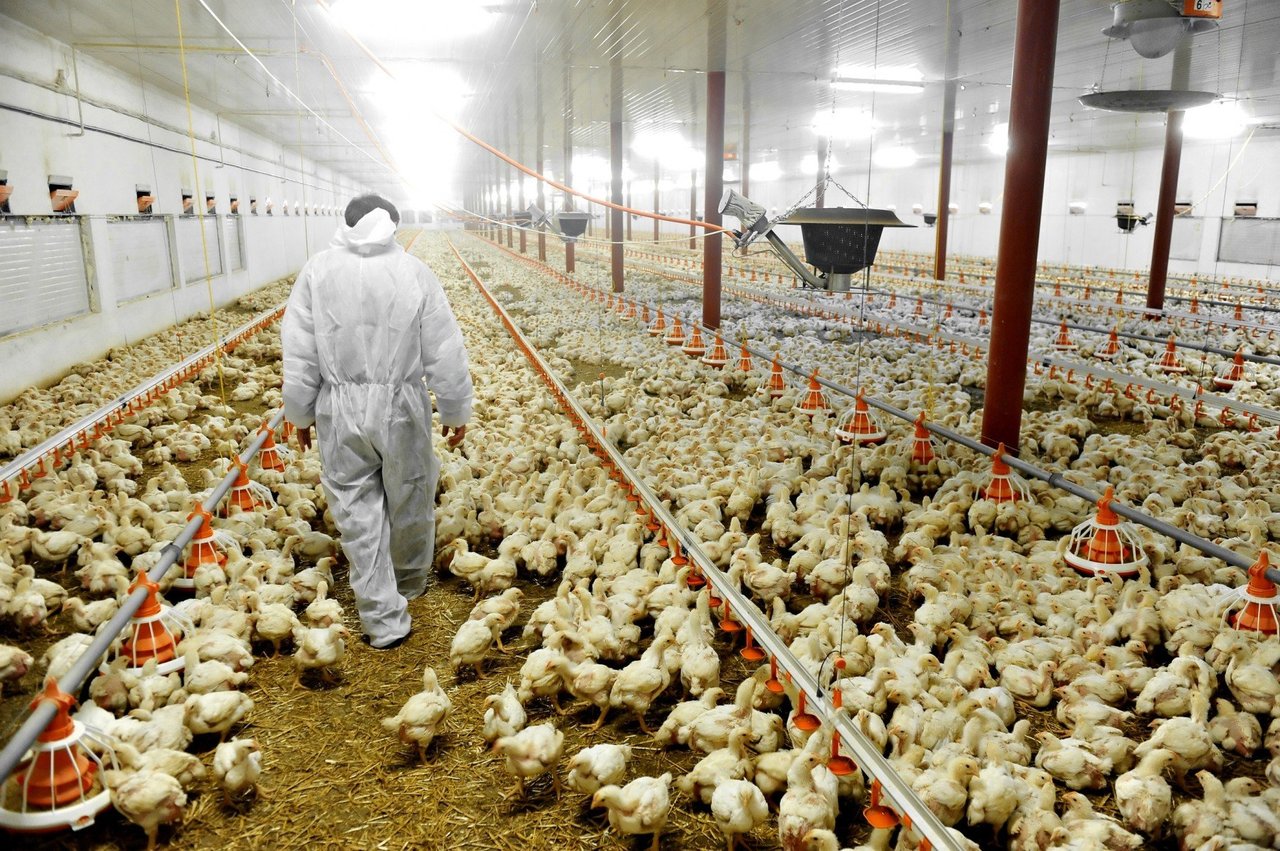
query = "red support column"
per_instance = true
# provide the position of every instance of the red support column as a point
(944, 181)
(711, 248)
(615, 164)
(1164, 211)
(1031, 99)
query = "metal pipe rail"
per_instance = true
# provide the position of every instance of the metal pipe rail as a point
(1053, 479)
(870, 760)
(74, 679)
(161, 381)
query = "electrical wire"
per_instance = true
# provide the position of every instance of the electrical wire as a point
(198, 195)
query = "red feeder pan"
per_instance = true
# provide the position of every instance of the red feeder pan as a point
(659, 325)
(53, 788)
(815, 400)
(1109, 349)
(246, 494)
(675, 336)
(1233, 375)
(1259, 612)
(751, 652)
(773, 684)
(744, 359)
(803, 719)
(1004, 485)
(857, 425)
(694, 347)
(921, 443)
(1062, 342)
(877, 814)
(718, 357)
(727, 623)
(1104, 545)
(777, 385)
(270, 456)
(153, 631)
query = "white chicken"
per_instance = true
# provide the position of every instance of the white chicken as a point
(419, 719)
(597, 766)
(532, 752)
(739, 807)
(237, 766)
(638, 808)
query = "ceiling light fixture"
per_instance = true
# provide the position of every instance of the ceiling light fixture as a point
(895, 156)
(998, 143)
(412, 20)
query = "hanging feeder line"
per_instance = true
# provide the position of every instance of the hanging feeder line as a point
(1053, 479)
(887, 327)
(866, 755)
(62, 445)
(87, 662)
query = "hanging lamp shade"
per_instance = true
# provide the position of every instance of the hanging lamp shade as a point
(572, 224)
(1154, 27)
(842, 240)
(1146, 100)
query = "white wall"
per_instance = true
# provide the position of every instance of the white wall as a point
(106, 170)
(1099, 179)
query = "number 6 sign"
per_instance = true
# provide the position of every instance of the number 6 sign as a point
(1202, 8)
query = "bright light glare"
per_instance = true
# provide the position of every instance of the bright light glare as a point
(767, 171)
(809, 163)
(426, 152)
(413, 20)
(889, 79)
(416, 89)
(897, 73)
(998, 144)
(669, 147)
(895, 156)
(1217, 120)
(843, 124)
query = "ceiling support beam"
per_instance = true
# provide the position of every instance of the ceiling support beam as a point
(615, 172)
(1031, 100)
(712, 259)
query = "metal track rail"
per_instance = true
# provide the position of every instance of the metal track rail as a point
(864, 753)
(75, 678)
(31, 464)
(1056, 480)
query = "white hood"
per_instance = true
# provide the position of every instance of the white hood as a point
(374, 233)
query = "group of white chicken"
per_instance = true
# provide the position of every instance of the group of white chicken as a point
(85, 523)
(800, 524)
(999, 620)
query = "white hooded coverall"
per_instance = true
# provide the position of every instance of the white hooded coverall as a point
(365, 324)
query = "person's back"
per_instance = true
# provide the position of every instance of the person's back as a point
(366, 323)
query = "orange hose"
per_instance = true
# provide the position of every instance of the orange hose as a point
(519, 165)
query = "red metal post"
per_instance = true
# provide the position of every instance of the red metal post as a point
(944, 182)
(1031, 99)
(711, 248)
(1164, 211)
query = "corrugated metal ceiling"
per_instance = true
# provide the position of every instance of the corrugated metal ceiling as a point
(781, 55)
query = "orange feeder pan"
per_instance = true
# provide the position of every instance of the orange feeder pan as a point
(270, 456)
(744, 359)
(1102, 545)
(207, 547)
(1260, 611)
(694, 347)
(921, 443)
(773, 684)
(1004, 485)
(777, 384)
(1062, 342)
(1111, 348)
(718, 357)
(245, 494)
(751, 652)
(53, 789)
(659, 325)
(803, 719)
(857, 426)
(675, 337)
(1169, 359)
(815, 400)
(877, 814)
(153, 632)
(1233, 375)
